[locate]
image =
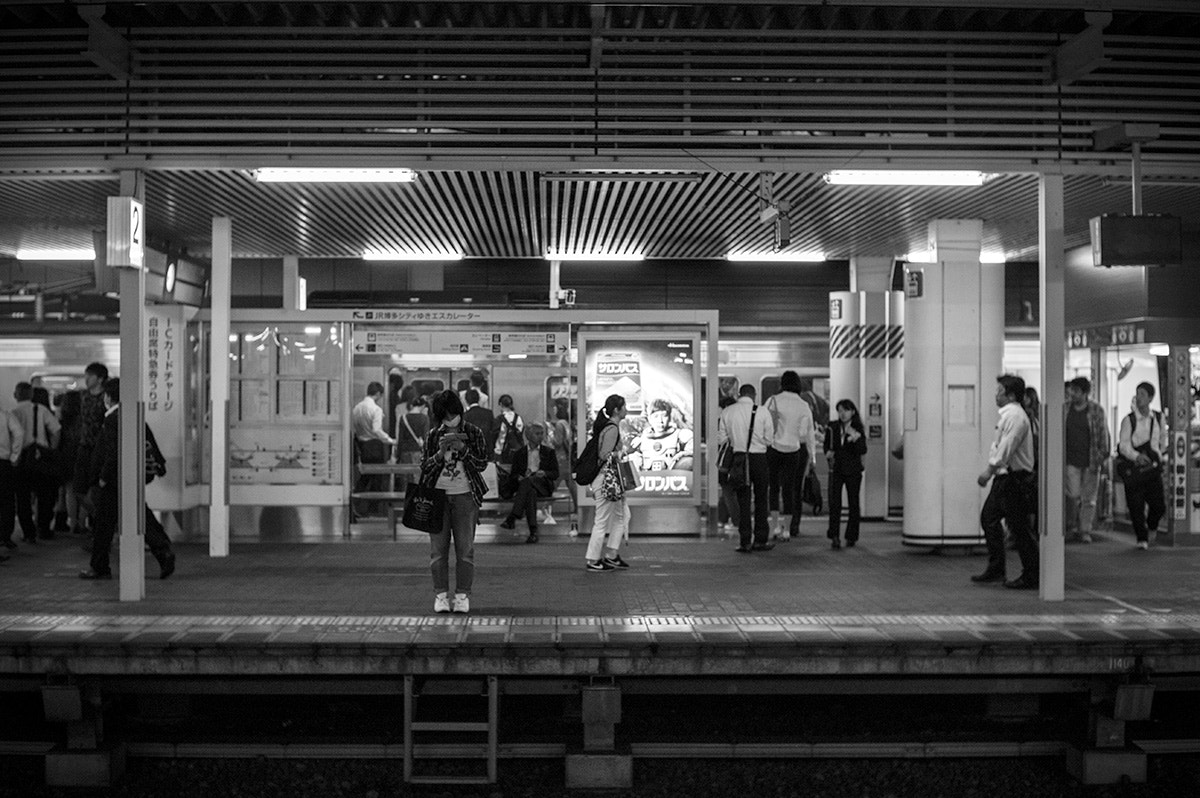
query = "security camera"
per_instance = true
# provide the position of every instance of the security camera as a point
(783, 233)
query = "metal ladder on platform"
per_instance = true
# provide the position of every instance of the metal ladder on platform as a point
(412, 727)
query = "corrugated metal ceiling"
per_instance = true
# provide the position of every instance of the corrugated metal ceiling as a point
(485, 98)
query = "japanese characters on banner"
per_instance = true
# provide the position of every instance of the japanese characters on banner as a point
(659, 378)
(164, 388)
(162, 362)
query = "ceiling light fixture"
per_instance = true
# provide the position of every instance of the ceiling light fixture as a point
(776, 257)
(903, 177)
(56, 254)
(412, 256)
(622, 177)
(924, 256)
(595, 257)
(272, 174)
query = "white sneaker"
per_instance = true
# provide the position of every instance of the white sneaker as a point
(1085, 538)
(462, 602)
(727, 527)
(783, 535)
(441, 603)
(574, 533)
(1143, 545)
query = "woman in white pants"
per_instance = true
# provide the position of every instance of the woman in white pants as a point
(612, 513)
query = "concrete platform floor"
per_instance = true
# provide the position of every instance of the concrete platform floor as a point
(371, 575)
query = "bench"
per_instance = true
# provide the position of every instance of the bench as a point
(395, 506)
(561, 494)
(392, 498)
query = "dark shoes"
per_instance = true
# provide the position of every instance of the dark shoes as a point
(90, 575)
(763, 546)
(508, 523)
(850, 543)
(533, 538)
(599, 565)
(835, 544)
(166, 566)
(616, 562)
(988, 576)
(10, 544)
(743, 549)
(1022, 583)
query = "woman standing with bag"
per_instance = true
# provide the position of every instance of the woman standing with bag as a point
(455, 456)
(612, 513)
(845, 445)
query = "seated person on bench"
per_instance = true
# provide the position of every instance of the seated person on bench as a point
(534, 474)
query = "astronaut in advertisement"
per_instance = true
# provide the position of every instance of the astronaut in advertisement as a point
(657, 380)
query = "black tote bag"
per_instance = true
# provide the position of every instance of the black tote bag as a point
(424, 508)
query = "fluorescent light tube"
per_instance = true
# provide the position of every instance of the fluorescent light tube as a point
(272, 174)
(595, 257)
(56, 254)
(776, 257)
(902, 177)
(622, 177)
(418, 256)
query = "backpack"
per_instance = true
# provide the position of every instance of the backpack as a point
(512, 440)
(154, 463)
(587, 467)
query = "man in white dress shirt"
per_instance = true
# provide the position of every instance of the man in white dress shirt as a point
(372, 442)
(1010, 470)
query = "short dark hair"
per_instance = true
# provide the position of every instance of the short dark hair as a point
(1147, 387)
(444, 405)
(505, 400)
(374, 388)
(790, 381)
(472, 396)
(1081, 383)
(747, 390)
(1013, 386)
(23, 392)
(41, 397)
(112, 389)
(97, 370)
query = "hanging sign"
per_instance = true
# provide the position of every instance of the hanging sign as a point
(126, 234)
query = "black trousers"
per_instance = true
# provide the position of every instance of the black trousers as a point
(8, 507)
(786, 485)
(372, 451)
(1008, 500)
(31, 488)
(752, 527)
(1147, 494)
(107, 503)
(853, 484)
(525, 499)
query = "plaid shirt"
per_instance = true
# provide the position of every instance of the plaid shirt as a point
(1098, 440)
(474, 459)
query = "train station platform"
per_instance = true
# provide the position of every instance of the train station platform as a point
(690, 606)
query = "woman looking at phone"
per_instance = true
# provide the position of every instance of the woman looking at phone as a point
(454, 458)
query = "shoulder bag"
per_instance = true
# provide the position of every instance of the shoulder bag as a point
(38, 459)
(1130, 472)
(424, 508)
(739, 469)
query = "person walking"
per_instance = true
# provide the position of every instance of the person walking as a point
(1086, 453)
(790, 455)
(749, 430)
(12, 441)
(454, 458)
(845, 446)
(41, 428)
(1143, 440)
(1010, 470)
(372, 442)
(104, 479)
(611, 525)
(534, 475)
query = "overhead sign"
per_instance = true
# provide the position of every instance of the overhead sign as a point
(459, 342)
(126, 248)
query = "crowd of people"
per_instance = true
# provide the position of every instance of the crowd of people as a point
(59, 471)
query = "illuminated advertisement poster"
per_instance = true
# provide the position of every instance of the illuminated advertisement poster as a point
(658, 377)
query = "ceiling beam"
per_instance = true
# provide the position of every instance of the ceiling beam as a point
(106, 48)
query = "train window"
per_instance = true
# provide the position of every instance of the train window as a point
(768, 386)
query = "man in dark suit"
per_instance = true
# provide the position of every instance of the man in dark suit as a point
(480, 417)
(534, 474)
(104, 481)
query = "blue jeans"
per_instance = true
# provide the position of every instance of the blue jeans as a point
(459, 521)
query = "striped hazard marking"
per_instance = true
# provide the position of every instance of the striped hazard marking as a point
(858, 341)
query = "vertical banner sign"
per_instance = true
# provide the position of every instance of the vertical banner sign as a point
(126, 233)
(658, 376)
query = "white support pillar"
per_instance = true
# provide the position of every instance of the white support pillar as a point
(218, 370)
(1053, 332)
(555, 282)
(131, 519)
(295, 291)
(871, 272)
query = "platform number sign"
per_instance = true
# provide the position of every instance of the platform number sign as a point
(126, 233)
